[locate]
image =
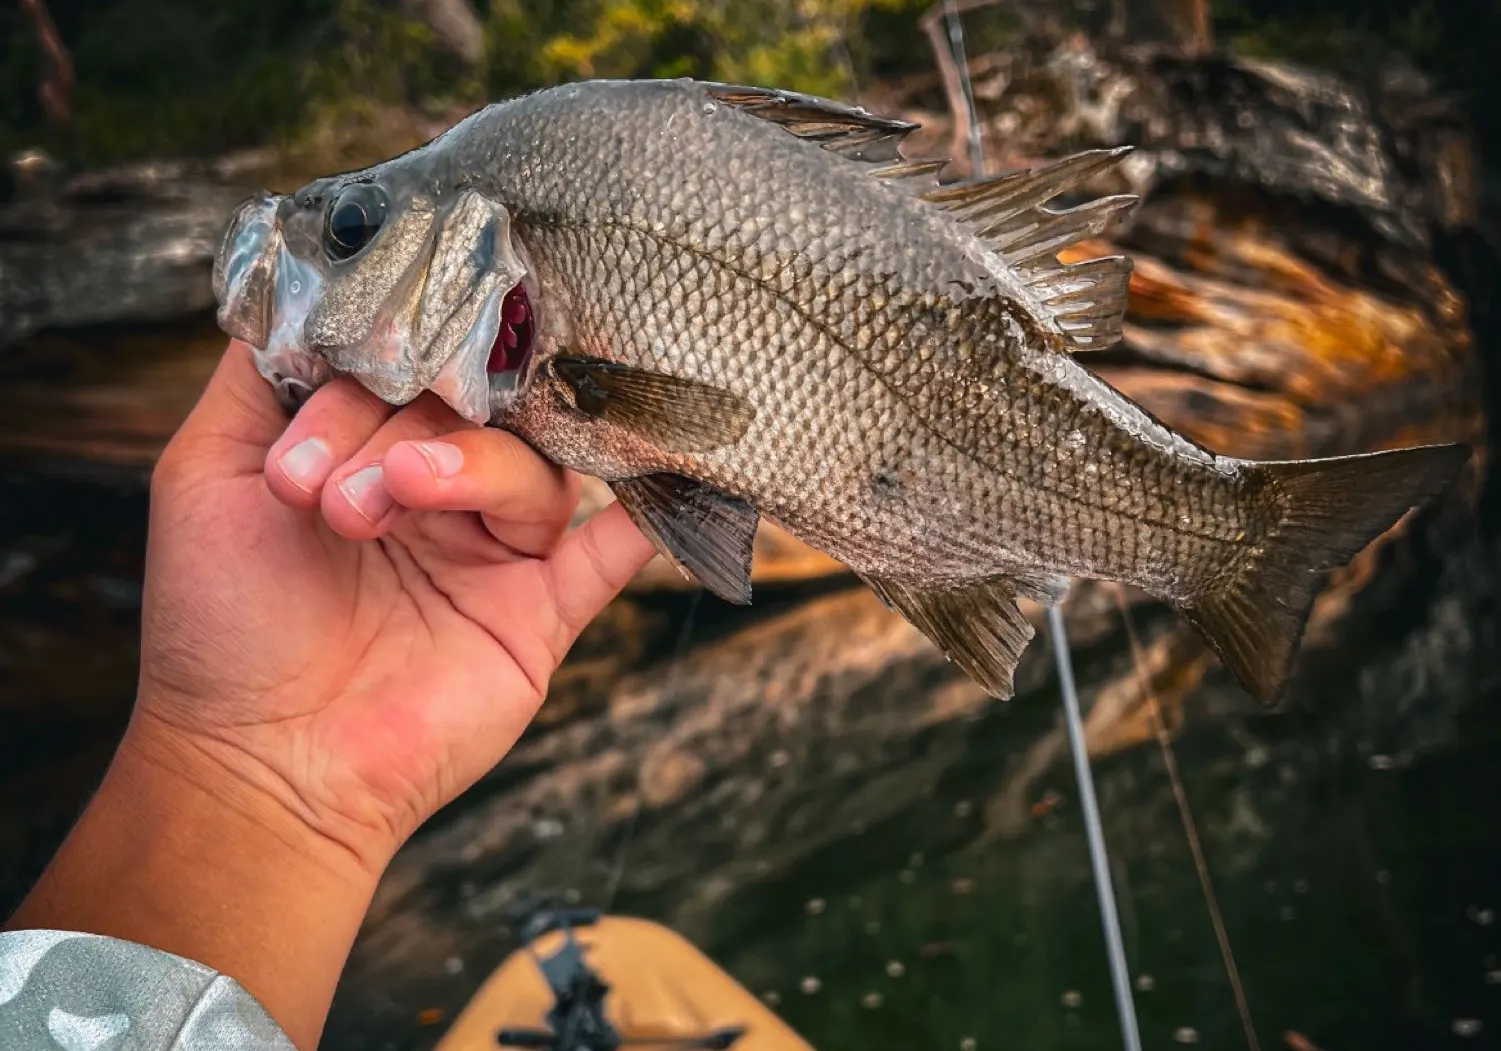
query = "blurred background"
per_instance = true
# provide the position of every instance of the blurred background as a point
(804, 788)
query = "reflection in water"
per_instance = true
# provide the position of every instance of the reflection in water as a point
(1351, 904)
(818, 801)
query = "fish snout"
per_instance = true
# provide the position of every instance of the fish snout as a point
(244, 270)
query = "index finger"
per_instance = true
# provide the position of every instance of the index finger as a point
(236, 414)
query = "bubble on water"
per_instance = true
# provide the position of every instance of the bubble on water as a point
(453, 965)
(968, 1044)
(870, 1001)
(295, 287)
(710, 107)
(771, 997)
(815, 906)
(963, 808)
(1145, 983)
(1383, 877)
(895, 968)
(810, 985)
(1381, 762)
(779, 759)
(547, 828)
(1466, 1027)
(1481, 916)
(1186, 1034)
(1493, 977)
(1072, 998)
(1300, 886)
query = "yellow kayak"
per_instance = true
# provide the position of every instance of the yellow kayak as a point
(607, 981)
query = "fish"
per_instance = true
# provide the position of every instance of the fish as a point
(734, 303)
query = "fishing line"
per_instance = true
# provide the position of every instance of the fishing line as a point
(1120, 975)
(1190, 829)
(674, 673)
(961, 59)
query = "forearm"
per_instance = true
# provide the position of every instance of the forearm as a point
(177, 852)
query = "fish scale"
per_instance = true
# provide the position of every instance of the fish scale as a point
(748, 303)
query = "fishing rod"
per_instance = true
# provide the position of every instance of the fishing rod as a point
(1099, 858)
(1094, 829)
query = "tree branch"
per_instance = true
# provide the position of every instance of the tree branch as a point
(57, 85)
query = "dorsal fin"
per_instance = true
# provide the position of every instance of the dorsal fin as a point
(846, 130)
(1087, 299)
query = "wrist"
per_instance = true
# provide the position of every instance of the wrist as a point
(185, 852)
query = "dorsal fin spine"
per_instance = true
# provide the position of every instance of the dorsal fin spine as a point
(1086, 300)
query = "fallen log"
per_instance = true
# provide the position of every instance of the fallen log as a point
(1266, 318)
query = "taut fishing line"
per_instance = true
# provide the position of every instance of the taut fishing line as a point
(1120, 975)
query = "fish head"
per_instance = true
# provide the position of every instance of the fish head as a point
(391, 275)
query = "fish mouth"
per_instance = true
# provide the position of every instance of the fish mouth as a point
(461, 322)
(265, 293)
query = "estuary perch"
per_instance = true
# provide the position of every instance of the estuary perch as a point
(730, 302)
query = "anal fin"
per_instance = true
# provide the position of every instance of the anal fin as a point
(978, 627)
(701, 530)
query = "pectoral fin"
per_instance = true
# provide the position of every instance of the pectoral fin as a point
(676, 415)
(978, 627)
(699, 529)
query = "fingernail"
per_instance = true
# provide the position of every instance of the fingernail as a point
(307, 464)
(366, 492)
(444, 459)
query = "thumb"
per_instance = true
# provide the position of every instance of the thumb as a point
(236, 419)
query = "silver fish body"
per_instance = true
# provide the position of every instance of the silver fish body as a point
(743, 303)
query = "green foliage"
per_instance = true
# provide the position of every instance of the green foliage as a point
(159, 77)
(807, 45)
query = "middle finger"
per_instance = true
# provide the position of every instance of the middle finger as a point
(355, 502)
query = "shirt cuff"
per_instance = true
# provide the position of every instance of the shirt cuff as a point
(66, 991)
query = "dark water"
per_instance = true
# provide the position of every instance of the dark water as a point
(1353, 844)
(1359, 894)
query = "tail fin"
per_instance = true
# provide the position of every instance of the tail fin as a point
(1331, 509)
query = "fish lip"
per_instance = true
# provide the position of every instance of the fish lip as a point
(243, 271)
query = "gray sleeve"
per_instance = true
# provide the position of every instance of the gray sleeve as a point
(61, 991)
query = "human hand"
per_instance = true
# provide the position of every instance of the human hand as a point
(316, 681)
(353, 622)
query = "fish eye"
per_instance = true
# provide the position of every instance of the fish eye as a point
(354, 218)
